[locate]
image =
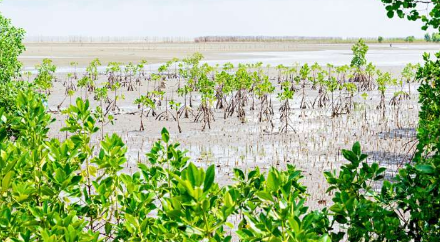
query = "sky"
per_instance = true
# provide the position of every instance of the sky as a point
(191, 18)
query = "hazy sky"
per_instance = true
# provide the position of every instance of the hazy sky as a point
(189, 18)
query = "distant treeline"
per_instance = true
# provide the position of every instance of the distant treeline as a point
(259, 38)
(214, 39)
(207, 39)
(106, 39)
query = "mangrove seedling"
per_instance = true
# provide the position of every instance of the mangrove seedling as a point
(45, 76)
(285, 96)
(145, 102)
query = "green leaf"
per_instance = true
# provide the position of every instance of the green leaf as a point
(390, 14)
(165, 135)
(337, 208)
(265, 196)
(295, 226)
(350, 156)
(193, 174)
(6, 180)
(273, 182)
(209, 178)
(325, 238)
(239, 174)
(356, 149)
(228, 200)
(426, 169)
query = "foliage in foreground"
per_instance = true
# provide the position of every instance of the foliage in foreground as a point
(428, 11)
(73, 191)
(10, 48)
(54, 190)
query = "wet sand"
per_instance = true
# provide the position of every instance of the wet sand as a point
(64, 53)
(314, 145)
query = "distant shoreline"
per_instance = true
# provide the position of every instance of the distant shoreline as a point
(63, 54)
(209, 39)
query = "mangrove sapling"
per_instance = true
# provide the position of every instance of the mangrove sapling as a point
(219, 94)
(370, 72)
(224, 86)
(69, 83)
(284, 97)
(399, 95)
(315, 69)
(112, 71)
(75, 66)
(206, 87)
(45, 76)
(130, 72)
(83, 84)
(322, 97)
(168, 67)
(364, 97)
(175, 61)
(157, 97)
(350, 88)
(263, 89)
(101, 95)
(281, 70)
(141, 75)
(145, 102)
(294, 71)
(164, 68)
(330, 68)
(396, 103)
(92, 74)
(185, 109)
(183, 71)
(358, 62)
(409, 76)
(383, 80)
(191, 72)
(112, 104)
(155, 78)
(304, 74)
(176, 107)
(141, 72)
(242, 83)
(341, 72)
(332, 86)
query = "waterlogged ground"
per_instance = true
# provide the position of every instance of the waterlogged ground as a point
(63, 54)
(314, 146)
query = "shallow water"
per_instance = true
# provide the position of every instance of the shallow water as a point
(398, 55)
(380, 55)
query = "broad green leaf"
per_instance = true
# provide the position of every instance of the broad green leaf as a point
(265, 196)
(165, 135)
(426, 169)
(209, 178)
(390, 14)
(6, 180)
(356, 149)
(273, 181)
(228, 200)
